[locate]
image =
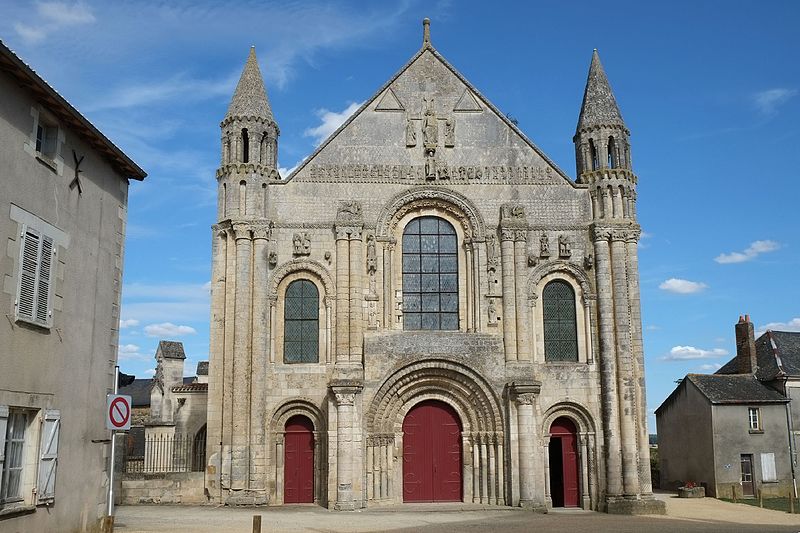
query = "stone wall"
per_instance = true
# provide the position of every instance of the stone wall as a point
(164, 488)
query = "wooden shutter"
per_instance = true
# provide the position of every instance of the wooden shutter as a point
(46, 257)
(48, 459)
(3, 424)
(768, 467)
(28, 270)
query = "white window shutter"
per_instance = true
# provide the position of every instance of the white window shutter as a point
(48, 459)
(3, 425)
(46, 257)
(28, 270)
(768, 467)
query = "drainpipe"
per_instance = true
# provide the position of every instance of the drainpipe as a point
(791, 438)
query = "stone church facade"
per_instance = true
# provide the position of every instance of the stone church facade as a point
(427, 308)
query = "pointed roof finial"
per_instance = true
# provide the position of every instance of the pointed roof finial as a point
(599, 105)
(250, 96)
(426, 31)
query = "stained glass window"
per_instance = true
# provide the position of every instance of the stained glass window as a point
(430, 275)
(301, 323)
(560, 328)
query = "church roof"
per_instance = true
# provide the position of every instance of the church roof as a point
(599, 105)
(171, 349)
(250, 98)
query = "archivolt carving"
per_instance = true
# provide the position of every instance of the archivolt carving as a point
(452, 202)
(298, 265)
(566, 267)
(297, 406)
(449, 381)
(580, 415)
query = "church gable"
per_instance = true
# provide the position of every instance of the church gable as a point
(428, 124)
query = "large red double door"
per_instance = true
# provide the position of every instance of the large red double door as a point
(563, 463)
(432, 453)
(298, 461)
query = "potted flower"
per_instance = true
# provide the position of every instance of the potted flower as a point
(690, 489)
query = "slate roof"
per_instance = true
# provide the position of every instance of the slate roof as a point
(171, 349)
(139, 390)
(59, 106)
(250, 98)
(735, 389)
(599, 105)
(777, 355)
(191, 387)
(202, 368)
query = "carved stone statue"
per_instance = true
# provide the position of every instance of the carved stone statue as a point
(544, 246)
(349, 210)
(430, 127)
(411, 132)
(302, 243)
(492, 249)
(273, 258)
(372, 259)
(450, 132)
(492, 309)
(430, 165)
(588, 260)
(564, 249)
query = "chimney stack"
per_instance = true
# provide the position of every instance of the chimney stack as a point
(745, 346)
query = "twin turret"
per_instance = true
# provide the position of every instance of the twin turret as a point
(249, 148)
(602, 150)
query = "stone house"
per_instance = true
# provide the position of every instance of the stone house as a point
(731, 431)
(427, 308)
(63, 205)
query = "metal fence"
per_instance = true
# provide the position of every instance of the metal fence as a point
(164, 453)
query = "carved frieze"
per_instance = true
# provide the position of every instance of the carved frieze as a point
(564, 247)
(544, 246)
(416, 173)
(301, 243)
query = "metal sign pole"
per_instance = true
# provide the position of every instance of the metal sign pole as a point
(110, 511)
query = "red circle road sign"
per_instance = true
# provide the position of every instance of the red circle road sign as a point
(119, 412)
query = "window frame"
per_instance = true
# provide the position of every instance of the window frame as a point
(46, 245)
(46, 139)
(279, 324)
(545, 319)
(759, 428)
(302, 320)
(583, 319)
(27, 495)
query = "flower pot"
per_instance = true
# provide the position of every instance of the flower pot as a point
(693, 492)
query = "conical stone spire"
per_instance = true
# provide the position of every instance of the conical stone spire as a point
(599, 105)
(250, 98)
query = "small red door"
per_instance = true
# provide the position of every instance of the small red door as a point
(432, 453)
(298, 482)
(563, 463)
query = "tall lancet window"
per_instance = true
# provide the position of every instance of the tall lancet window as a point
(430, 275)
(301, 323)
(560, 324)
(593, 155)
(245, 146)
(612, 153)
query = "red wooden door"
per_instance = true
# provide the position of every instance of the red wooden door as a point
(565, 481)
(432, 453)
(298, 479)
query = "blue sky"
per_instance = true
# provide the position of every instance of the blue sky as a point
(710, 91)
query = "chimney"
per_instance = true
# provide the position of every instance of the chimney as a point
(745, 346)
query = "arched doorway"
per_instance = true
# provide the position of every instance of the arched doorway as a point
(432, 453)
(564, 463)
(298, 482)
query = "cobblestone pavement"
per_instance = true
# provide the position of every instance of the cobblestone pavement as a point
(706, 515)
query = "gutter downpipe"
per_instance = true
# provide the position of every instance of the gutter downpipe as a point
(791, 437)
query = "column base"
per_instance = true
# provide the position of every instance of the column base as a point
(246, 498)
(530, 505)
(629, 506)
(344, 506)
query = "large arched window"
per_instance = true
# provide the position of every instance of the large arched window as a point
(430, 275)
(560, 325)
(301, 323)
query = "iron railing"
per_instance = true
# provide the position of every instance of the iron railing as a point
(164, 453)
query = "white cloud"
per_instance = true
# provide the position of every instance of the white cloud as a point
(29, 33)
(652, 327)
(330, 122)
(754, 250)
(791, 325)
(128, 323)
(682, 286)
(168, 329)
(686, 353)
(52, 16)
(130, 352)
(185, 302)
(768, 101)
(710, 367)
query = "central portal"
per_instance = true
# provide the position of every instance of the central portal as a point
(432, 453)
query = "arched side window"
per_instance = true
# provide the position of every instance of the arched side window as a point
(245, 146)
(560, 324)
(612, 153)
(430, 275)
(301, 323)
(593, 155)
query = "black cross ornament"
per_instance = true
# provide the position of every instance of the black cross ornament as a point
(76, 181)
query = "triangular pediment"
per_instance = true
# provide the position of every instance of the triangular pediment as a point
(439, 128)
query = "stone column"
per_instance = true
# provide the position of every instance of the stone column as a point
(279, 469)
(357, 269)
(388, 295)
(509, 304)
(241, 355)
(548, 498)
(584, 466)
(477, 314)
(217, 353)
(258, 374)
(625, 367)
(608, 363)
(524, 394)
(484, 469)
(468, 292)
(476, 469)
(501, 465)
(342, 296)
(345, 394)
(520, 268)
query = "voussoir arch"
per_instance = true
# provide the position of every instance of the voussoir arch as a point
(577, 274)
(301, 265)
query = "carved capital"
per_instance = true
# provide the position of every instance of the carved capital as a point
(241, 231)
(345, 391)
(262, 231)
(525, 399)
(521, 235)
(507, 234)
(601, 233)
(525, 392)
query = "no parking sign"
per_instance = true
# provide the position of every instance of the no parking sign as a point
(118, 412)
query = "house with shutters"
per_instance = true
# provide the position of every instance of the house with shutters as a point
(427, 308)
(732, 431)
(63, 204)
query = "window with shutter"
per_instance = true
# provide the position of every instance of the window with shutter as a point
(16, 424)
(37, 256)
(3, 426)
(768, 472)
(48, 459)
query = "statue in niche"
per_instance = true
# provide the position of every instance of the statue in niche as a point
(411, 132)
(492, 249)
(544, 246)
(443, 172)
(430, 128)
(430, 164)
(450, 132)
(564, 249)
(492, 309)
(302, 243)
(372, 259)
